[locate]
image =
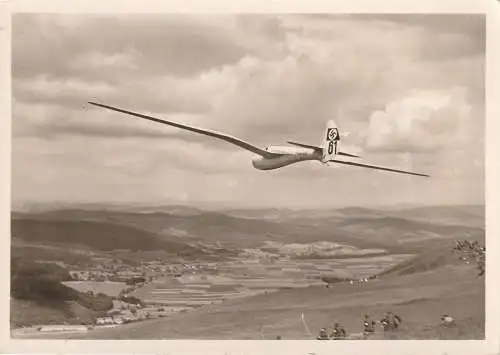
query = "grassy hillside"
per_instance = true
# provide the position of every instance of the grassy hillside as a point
(39, 297)
(42, 282)
(29, 313)
(431, 260)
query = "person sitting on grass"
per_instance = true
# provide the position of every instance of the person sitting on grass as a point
(391, 322)
(368, 325)
(338, 332)
(323, 335)
(447, 321)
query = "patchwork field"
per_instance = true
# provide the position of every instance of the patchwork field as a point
(239, 279)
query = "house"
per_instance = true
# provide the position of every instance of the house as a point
(104, 320)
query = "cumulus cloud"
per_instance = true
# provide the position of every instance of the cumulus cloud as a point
(44, 89)
(421, 121)
(94, 60)
(48, 120)
(321, 67)
(178, 45)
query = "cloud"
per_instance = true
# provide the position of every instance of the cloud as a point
(115, 61)
(48, 120)
(422, 121)
(62, 91)
(327, 75)
(466, 24)
(161, 94)
(319, 70)
(397, 86)
(446, 35)
(177, 45)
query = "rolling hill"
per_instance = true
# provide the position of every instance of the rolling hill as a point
(398, 231)
(37, 252)
(100, 236)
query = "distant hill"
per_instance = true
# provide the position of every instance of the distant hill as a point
(398, 231)
(207, 226)
(467, 215)
(409, 229)
(48, 253)
(101, 236)
(402, 231)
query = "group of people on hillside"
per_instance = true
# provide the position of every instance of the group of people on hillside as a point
(338, 332)
(468, 246)
(475, 249)
(390, 322)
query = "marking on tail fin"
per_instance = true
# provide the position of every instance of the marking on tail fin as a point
(330, 143)
(332, 147)
(332, 134)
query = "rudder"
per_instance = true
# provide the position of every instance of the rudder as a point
(330, 141)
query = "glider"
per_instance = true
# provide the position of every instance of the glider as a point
(274, 157)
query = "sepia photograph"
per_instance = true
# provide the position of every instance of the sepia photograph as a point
(234, 176)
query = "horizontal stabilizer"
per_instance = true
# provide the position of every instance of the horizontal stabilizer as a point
(348, 155)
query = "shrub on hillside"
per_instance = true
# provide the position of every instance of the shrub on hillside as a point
(33, 269)
(39, 281)
(98, 303)
(135, 280)
(132, 300)
(42, 282)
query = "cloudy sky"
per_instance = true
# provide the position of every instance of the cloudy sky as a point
(409, 89)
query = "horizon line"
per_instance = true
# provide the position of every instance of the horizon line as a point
(58, 205)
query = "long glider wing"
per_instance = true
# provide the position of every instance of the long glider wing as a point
(225, 137)
(376, 167)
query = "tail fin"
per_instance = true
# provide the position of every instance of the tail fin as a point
(330, 141)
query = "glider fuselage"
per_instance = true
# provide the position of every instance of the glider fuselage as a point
(297, 156)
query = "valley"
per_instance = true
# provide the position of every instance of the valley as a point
(190, 265)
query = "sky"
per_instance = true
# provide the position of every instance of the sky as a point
(407, 89)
